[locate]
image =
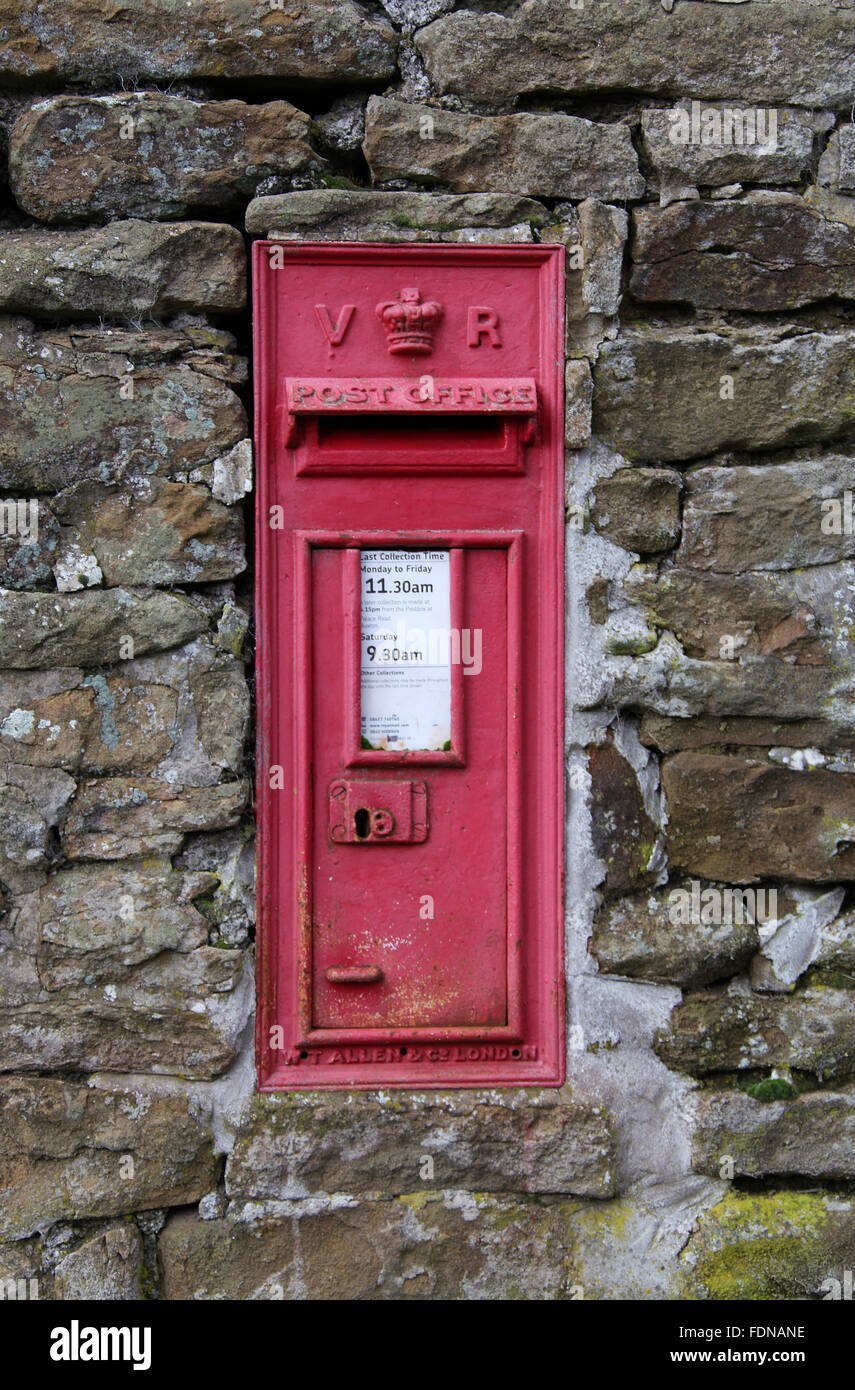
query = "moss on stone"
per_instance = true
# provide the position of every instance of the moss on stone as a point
(607, 1219)
(772, 1088)
(766, 1246)
(632, 646)
(417, 1201)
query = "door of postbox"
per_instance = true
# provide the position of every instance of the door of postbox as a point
(409, 443)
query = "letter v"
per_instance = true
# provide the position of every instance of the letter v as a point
(334, 332)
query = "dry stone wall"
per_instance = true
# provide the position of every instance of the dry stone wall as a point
(697, 160)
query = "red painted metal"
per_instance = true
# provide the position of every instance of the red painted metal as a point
(410, 899)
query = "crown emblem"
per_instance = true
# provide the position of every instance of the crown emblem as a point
(410, 324)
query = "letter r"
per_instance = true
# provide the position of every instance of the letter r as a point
(482, 322)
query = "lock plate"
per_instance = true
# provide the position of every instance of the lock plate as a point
(377, 813)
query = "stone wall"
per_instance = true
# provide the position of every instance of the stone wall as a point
(702, 1147)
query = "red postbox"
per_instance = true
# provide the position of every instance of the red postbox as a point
(409, 443)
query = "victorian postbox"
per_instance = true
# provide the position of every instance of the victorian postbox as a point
(409, 442)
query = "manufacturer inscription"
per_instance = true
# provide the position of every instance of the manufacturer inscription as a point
(457, 1052)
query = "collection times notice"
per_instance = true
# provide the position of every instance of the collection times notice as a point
(406, 666)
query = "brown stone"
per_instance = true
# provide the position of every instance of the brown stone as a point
(602, 237)
(671, 735)
(553, 156)
(790, 51)
(23, 1277)
(126, 270)
(716, 1031)
(811, 1136)
(334, 214)
(43, 630)
(295, 1146)
(47, 789)
(837, 166)
(579, 393)
(107, 1267)
(782, 150)
(668, 681)
(120, 817)
(777, 516)
(639, 508)
(664, 393)
(188, 706)
(72, 1151)
(116, 725)
(645, 937)
(19, 979)
(221, 703)
(96, 921)
(166, 40)
(156, 532)
(740, 819)
(753, 614)
(102, 403)
(762, 253)
(28, 541)
(159, 1019)
(597, 599)
(23, 836)
(594, 234)
(421, 1246)
(149, 154)
(624, 837)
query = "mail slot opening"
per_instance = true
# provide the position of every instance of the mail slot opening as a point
(338, 442)
(402, 432)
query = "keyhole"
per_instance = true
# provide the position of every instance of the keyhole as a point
(362, 823)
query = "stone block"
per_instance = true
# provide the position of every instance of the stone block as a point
(107, 1267)
(742, 819)
(639, 508)
(539, 155)
(811, 1136)
(72, 1151)
(767, 252)
(649, 936)
(155, 532)
(719, 1030)
(771, 146)
(128, 270)
(776, 516)
(791, 51)
(153, 155)
(169, 40)
(662, 394)
(122, 817)
(99, 404)
(333, 214)
(421, 1246)
(538, 1141)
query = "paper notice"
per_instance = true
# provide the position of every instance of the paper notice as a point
(406, 663)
